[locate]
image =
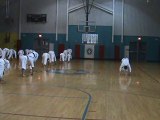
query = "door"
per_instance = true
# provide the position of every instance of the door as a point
(77, 51)
(116, 52)
(101, 51)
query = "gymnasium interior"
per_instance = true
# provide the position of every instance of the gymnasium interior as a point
(90, 86)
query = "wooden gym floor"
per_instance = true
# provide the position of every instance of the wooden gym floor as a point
(98, 93)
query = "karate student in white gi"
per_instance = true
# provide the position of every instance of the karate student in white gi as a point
(45, 58)
(36, 55)
(125, 65)
(69, 54)
(69, 57)
(11, 53)
(62, 57)
(4, 66)
(65, 55)
(23, 62)
(20, 52)
(31, 59)
(4, 52)
(69, 51)
(52, 57)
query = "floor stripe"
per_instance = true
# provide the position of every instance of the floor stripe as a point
(149, 75)
(85, 110)
(39, 116)
(134, 94)
(43, 95)
(87, 106)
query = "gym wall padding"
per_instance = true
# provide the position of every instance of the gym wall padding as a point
(101, 51)
(77, 51)
(61, 48)
(117, 52)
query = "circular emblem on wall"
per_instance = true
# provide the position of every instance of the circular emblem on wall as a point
(89, 51)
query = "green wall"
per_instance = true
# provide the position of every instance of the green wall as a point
(105, 38)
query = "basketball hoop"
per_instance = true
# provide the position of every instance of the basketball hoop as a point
(87, 5)
(90, 27)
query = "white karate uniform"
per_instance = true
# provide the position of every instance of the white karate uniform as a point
(45, 58)
(31, 59)
(4, 65)
(69, 57)
(69, 51)
(23, 61)
(36, 55)
(62, 57)
(52, 56)
(11, 53)
(4, 52)
(65, 55)
(125, 62)
(20, 52)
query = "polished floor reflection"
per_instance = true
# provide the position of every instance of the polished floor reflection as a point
(81, 89)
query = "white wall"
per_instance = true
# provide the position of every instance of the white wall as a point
(140, 17)
(13, 14)
(38, 7)
(101, 17)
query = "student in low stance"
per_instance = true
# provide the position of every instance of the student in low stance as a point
(23, 62)
(125, 65)
(62, 57)
(52, 57)
(45, 59)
